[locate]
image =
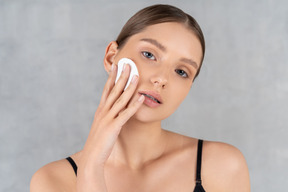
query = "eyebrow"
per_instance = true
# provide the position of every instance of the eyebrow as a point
(161, 47)
(191, 62)
(156, 43)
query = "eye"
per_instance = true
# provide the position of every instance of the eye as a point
(182, 73)
(148, 55)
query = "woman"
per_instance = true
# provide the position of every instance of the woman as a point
(127, 149)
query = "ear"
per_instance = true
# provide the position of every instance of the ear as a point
(110, 53)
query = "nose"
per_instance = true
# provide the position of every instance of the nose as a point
(159, 80)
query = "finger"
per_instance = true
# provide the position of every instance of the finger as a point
(117, 90)
(126, 114)
(109, 84)
(122, 102)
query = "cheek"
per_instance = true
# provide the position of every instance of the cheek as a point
(177, 94)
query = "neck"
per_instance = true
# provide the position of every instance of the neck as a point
(139, 143)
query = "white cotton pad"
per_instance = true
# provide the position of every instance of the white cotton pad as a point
(133, 70)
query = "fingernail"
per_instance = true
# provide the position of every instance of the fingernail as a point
(113, 66)
(134, 78)
(124, 67)
(141, 98)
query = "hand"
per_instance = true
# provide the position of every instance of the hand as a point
(114, 111)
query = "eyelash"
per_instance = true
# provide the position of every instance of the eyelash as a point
(146, 53)
(185, 75)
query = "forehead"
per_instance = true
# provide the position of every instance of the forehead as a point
(175, 37)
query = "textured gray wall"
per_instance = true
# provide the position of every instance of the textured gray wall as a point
(51, 79)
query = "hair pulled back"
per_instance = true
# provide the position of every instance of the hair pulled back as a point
(157, 14)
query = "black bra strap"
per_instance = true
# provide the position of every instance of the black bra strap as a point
(199, 159)
(73, 164)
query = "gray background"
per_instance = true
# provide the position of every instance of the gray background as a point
(51, 79)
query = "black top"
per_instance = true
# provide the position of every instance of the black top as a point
(198, 187)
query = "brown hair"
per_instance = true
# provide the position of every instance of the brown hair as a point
(156, 14)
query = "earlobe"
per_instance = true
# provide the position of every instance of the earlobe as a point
(110, 53)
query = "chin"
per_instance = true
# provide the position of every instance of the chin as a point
(147, 115)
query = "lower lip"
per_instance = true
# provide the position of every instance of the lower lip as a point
(151, 103)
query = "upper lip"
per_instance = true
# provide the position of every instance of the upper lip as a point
(153, 94)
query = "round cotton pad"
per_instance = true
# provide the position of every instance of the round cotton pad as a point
(133, 70)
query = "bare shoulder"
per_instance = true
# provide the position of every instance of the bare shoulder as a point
(224, 168)
(55, 176)
(223, 153)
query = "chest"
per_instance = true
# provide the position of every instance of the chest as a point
(155, 178)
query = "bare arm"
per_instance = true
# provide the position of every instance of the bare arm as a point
(110, 116)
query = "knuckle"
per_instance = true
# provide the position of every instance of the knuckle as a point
(106, 89)
(101, 106)
(123, 112)
(120, 101)
(127, 113)
(131, 87)
(123, 77)
(99, 112)
(114, 91)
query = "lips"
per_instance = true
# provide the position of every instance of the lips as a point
(154, 99)
(152, 95)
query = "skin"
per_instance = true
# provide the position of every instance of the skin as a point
(127, 149)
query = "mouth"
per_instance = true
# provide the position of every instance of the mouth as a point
(151, 97)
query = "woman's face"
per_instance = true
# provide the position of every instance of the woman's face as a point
(167, 56)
